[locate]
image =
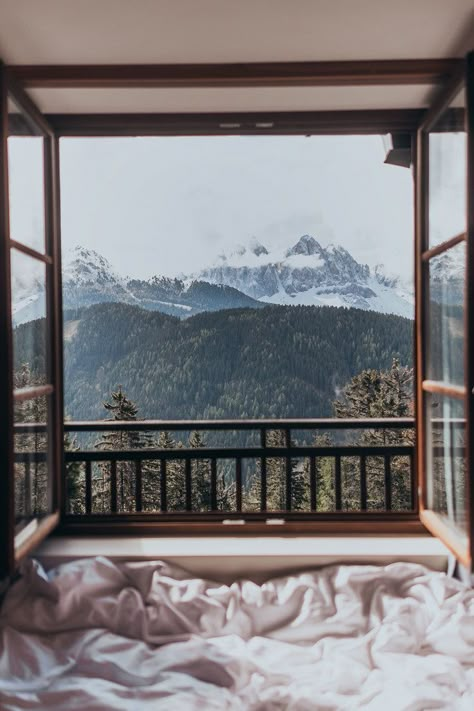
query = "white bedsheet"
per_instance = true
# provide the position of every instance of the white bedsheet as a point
(96, 635)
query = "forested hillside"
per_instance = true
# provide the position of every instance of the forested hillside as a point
(273, 362)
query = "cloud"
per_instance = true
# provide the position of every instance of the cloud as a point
(170, 205)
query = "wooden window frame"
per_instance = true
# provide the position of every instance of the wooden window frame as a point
(423, 253)
(384, 72)
(357, 122)
(10, 554)
(244, 123)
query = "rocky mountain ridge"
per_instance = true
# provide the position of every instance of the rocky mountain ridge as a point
(252, 275)
(308, 274)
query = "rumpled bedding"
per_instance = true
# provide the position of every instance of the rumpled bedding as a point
(99, 635)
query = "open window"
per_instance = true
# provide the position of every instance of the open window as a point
(31, 437)
(30, 379)
(445, 316)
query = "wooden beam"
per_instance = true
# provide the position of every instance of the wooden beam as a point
(445, 389)
(443, 247)
(469, 310)
(7, 486)
(241, 123)
(339, 524)
(342, 73)
(319, 423)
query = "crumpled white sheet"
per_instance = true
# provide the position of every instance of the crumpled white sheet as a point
(97, 635)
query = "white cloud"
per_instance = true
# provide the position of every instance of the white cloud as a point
(170, 205)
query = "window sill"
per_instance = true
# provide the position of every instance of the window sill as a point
(258, 558)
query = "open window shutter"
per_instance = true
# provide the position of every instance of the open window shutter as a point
(31, 436)
(445, 316)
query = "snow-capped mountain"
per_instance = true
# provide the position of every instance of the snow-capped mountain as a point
(28, 296)
(307, 273)
(88, 278)
(447, 276)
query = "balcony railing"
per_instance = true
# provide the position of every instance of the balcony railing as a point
(254, 469)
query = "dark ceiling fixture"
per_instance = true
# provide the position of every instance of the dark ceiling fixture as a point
(399, 151)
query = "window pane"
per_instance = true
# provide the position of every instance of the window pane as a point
(446, 459)
(32, 471)
(446, 316)
(29, 320)
(447, 174)
(26, 181)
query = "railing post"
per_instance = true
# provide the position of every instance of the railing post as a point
(363, 483)
(27, 492)
(338, 483)
(288, 470)
(313, 496)
(413, 483)
(163, 496)
(138, 486)
(388, 482)
(113, 486)
(88, 487)
(238, 483)
(188, 485)
(213, 485)
(263, 471)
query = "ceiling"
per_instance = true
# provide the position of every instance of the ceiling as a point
(156, 31)
(55, 32)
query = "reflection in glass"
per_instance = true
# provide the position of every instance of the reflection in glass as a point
(32, 485)
(446, 316)
(447, 174)
(445, 432)
(25, 180)
(29, 324)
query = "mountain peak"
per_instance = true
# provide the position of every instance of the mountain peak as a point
(257, 247)
(306, 245)
(82, 265)
(88, 257)
(79, 252)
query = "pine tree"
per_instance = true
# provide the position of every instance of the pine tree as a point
(379, 394)
(122, 409)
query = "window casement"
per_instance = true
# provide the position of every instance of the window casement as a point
(29, 250)
(445, 330)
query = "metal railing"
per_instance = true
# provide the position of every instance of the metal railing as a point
(361, 466)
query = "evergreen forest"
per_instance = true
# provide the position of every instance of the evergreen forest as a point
(124, 362)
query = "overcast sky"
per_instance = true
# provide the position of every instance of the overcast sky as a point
(172, 205)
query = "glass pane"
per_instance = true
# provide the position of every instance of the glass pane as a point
(445, 431)
(447, 173)
(26, 181)
(29, 320)
(32, 471)
(446, 316)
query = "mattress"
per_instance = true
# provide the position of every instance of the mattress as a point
(99, 635)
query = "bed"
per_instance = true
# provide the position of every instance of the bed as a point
(96, 635)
